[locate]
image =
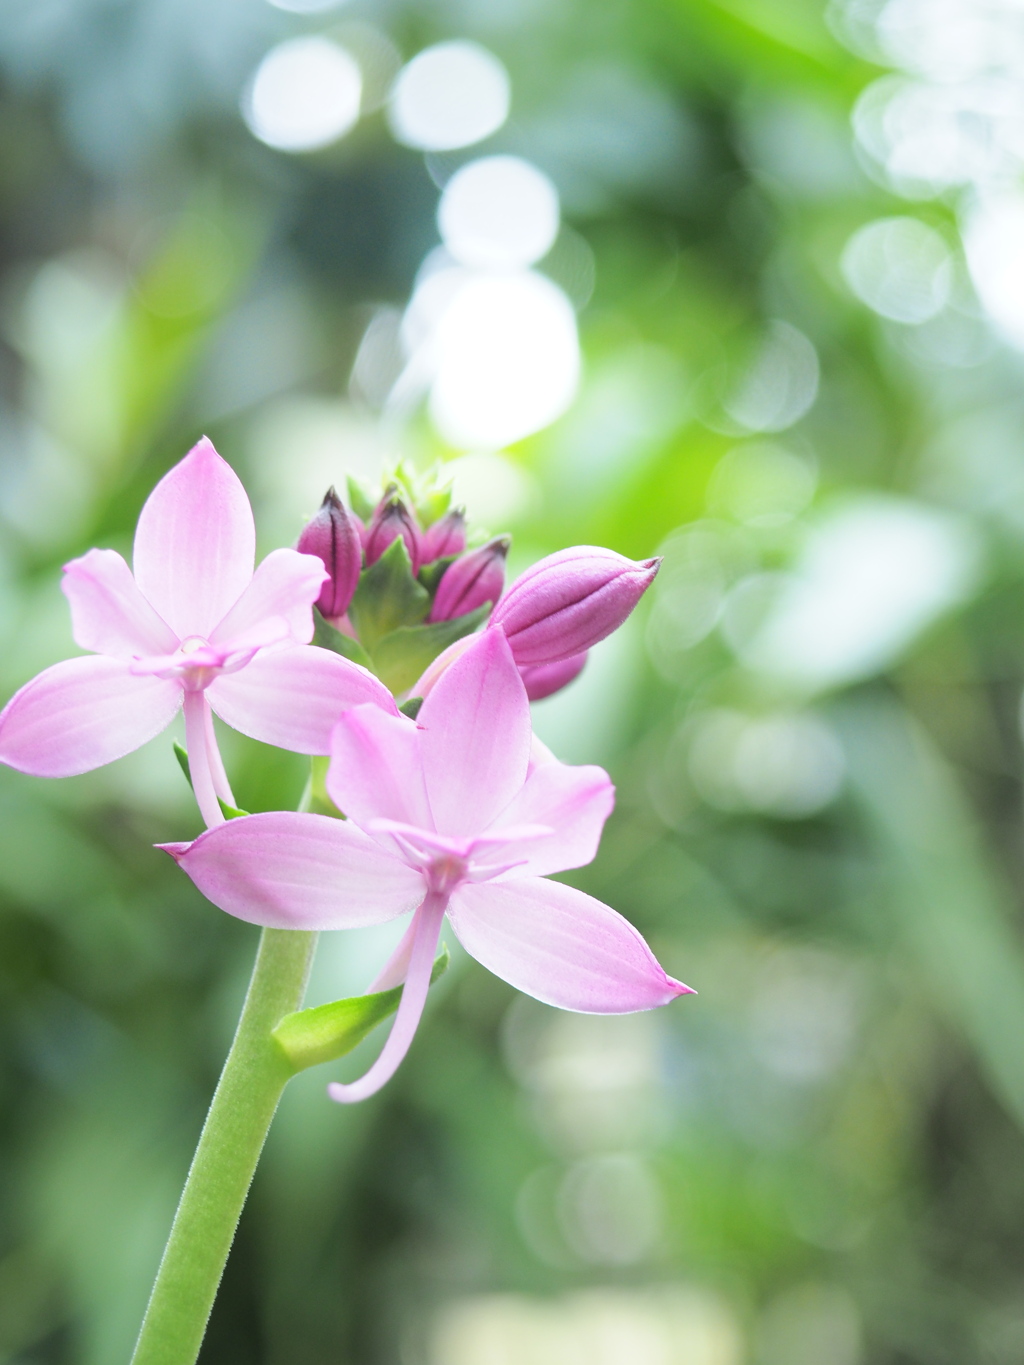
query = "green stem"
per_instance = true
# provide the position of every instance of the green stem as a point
(244, 1102)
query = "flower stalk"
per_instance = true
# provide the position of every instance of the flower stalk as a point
(247, 1095)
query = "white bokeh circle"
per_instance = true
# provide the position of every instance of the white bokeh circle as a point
(498, 212)
(450, 95)
(305, 94)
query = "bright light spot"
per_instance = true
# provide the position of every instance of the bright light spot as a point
(762, 484)
(873, 574)
(497, 490)
(781, 383)
(306, 6)
(804, 1012)
(507, 360)
(609, 1208)
(450, 95)
(993, 235)
(808, 1324)
(499, 212)
(900, 268)
(305, 94)
(661, 1326)
(789, 766)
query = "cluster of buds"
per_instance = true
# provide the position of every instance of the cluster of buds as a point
(405, 589)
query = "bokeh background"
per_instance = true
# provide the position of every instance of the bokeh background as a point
(736, 281)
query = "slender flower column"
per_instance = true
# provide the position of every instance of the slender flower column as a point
(246, 1098)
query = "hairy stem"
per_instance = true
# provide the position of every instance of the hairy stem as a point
(244, 1102)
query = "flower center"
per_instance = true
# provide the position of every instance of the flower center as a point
(445, 872)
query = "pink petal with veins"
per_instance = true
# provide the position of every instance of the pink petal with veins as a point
(285, 585)
(83, 713)
(475, 728)
(573, 802)
(560, 946)
(108, 613)
(376, 770)
(195, 543)
(292, 696)
(286, 870)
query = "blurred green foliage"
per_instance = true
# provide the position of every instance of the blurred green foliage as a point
(821, 1156)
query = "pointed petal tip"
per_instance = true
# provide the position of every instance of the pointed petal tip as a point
(175, 851)
(678, 988)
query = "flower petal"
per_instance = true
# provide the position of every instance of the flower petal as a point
(109, 615)
(83, 713)
(287, 870)
(292, 696)
(285, 585)
(574, 802)
(427, 923)
(376, 769)
(475, 727)
(560, 946)
(195, 543)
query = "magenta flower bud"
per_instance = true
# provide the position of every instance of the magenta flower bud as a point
(333, 536)
(569, 601)
(391, 520)
(541, 680)
(446, 537)
(474, 578)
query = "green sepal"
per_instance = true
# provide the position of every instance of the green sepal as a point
(387, 598)
(231, 812)
(359, 500)
(431, 574)
(338, 642)
(400, 658)
(432, 504)
(411, 707)
(181, 754)
(315, 798)
(326, 1032)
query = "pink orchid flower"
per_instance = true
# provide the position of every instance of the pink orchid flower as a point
(447, 814)
(194, 626)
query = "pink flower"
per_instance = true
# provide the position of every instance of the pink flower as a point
(542, 680)
(195, 625)
(474, 578)
(445, 815)
(333, 536)
(569, 601)
(445, 537)
(391, 520)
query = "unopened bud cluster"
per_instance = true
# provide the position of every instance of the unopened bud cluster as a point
(405, 590)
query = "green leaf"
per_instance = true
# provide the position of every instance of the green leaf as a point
(359, 499)
(326, 1032)
(400, 658)
(181, 754)
(387, 597)
(431, 574)
(327, 637)
(411, 707)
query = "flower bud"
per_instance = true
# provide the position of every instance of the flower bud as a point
(333, 536)
(569, 601)
(391, 520)
(541, 680)
(474, 578)
(446, 537)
